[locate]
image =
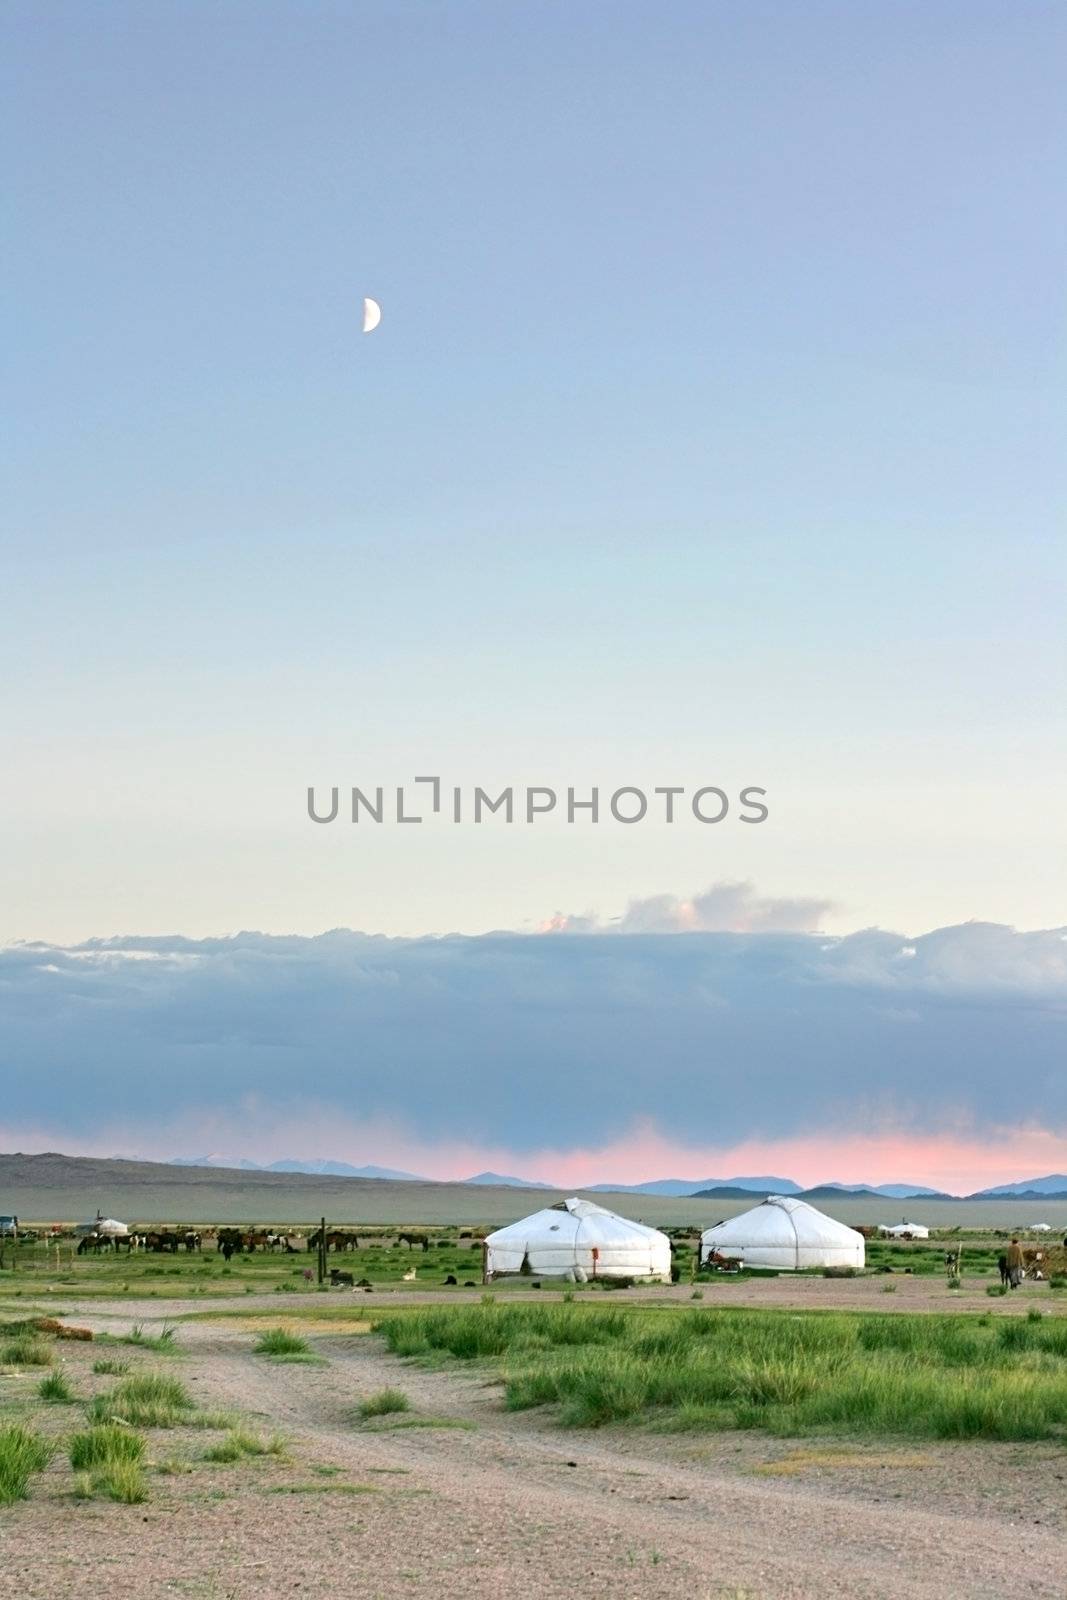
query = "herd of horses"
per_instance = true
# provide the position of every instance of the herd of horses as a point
(234, 1241)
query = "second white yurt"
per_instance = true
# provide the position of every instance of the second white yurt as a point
(578, 1240)
(785, 1233)
(904, 1230)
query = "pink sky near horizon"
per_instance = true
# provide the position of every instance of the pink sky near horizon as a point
(957, 1163)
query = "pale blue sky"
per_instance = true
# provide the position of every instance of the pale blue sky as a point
(713, 433)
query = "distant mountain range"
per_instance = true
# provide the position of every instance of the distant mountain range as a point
(675, 1187)
(1052, 1187)
(326, 1169)
(499, 1181)
(1029, 1188)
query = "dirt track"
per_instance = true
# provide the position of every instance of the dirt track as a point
(513, 1507)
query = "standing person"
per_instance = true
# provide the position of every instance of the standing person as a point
(1015, 1263)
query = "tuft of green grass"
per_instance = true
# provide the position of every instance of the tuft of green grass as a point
(56, 1389)
(123, 1481)
(149, 1400)
(384, 1403)
(22, 1453)
(104, 1445)
(238, 1444)
(25, 1351)
(165, 1342)
(111, 1369)
(280, 1342)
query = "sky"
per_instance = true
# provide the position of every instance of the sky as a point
(712, 436)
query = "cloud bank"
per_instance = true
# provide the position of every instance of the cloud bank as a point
(724, 908)
(533, 1043)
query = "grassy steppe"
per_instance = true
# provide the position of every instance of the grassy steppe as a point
(32, 1267)
(922, 1376)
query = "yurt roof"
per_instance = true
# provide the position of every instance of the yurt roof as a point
(783, 1216)
(573, 1215)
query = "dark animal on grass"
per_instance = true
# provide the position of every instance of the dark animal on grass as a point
(162, 1242)
(414, 1240)
(337, 1279)
(1002, 1268)
(337, 1239)
(451, 1280)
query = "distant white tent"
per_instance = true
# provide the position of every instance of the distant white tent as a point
(581, 1240)
(904, 1230)
(107, 1227)
(785, 1233)
(1035, 1227)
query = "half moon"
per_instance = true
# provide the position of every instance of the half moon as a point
(372, 315)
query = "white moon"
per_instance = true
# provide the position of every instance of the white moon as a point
(372, 315)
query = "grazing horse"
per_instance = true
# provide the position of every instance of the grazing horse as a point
(337, 1239)
(413, 1239)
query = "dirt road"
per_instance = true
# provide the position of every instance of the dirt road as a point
(457, 1497)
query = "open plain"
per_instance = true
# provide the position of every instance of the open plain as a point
(426, 1438)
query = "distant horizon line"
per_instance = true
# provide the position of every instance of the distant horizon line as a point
(675, 1188)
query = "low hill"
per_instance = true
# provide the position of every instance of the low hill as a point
(59, 1188)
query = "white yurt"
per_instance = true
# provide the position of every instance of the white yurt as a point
(904, 1230)
(578, 1239)
(785, 1233)
(106, 1227)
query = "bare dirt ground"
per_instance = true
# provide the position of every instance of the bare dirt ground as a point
(891, 1292)
(497, 1506)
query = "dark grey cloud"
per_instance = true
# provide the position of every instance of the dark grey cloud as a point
(532, 1041)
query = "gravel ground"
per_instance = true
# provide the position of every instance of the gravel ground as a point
(513, 1507)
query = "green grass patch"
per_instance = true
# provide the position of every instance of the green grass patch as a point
(103, 1446)
(948, 1376)
(165, 1342)
(123, 1481)
(280, 1342)
(239, 1444)
(384, 1403)
(55, 1389)
(22, 1453)
(149, 1400)
(111, 1369)
(26, 1351)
